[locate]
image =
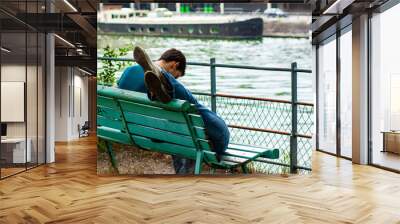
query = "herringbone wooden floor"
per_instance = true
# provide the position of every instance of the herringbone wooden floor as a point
(69, 191)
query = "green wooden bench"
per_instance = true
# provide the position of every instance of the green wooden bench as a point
(175, 128)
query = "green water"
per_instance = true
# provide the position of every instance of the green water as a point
(269, 52)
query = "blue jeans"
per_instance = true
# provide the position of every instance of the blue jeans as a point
(217, 130)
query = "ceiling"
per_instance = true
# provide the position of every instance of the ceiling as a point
(74, 22)
(332, 15)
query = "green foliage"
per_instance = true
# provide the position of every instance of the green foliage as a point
(106, 75)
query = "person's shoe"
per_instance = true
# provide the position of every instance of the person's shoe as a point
(143, 59)
(156, 87)
(156, 83)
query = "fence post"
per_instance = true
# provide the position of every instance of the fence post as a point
(213, 85)
(293, 137)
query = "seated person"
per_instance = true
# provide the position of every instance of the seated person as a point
(159, 81)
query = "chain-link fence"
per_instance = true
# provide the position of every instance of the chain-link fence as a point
(266, 123)
(271, 123)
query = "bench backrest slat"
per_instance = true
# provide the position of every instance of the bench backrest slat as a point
(154, 122)
(160, 135)
(164, 147)
(165, 130)
(107, 102)
(113, 135)
(110, 123)
(108, 112)
(151, 111)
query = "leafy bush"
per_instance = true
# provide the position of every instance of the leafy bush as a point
(106, 75)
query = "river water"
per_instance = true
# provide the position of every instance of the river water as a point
(268, 52)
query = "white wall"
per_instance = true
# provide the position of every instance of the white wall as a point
(61, 103)
(14, 73)
(33, 127)
(71, 102)
(80, 110)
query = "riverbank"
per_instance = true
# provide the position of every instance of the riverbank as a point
(290, 27)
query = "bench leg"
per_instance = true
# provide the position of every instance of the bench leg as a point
(111, 154)
(244, 168)
(199, 162)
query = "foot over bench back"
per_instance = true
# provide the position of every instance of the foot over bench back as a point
(175, 128)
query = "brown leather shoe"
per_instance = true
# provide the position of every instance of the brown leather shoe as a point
(156, 83)
(156, 87)
(143, 59)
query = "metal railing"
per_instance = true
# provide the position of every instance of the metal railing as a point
(263, 122)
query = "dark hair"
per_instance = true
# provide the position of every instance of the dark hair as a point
(177, 56)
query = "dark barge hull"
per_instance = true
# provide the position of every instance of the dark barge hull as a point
(251, 28)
